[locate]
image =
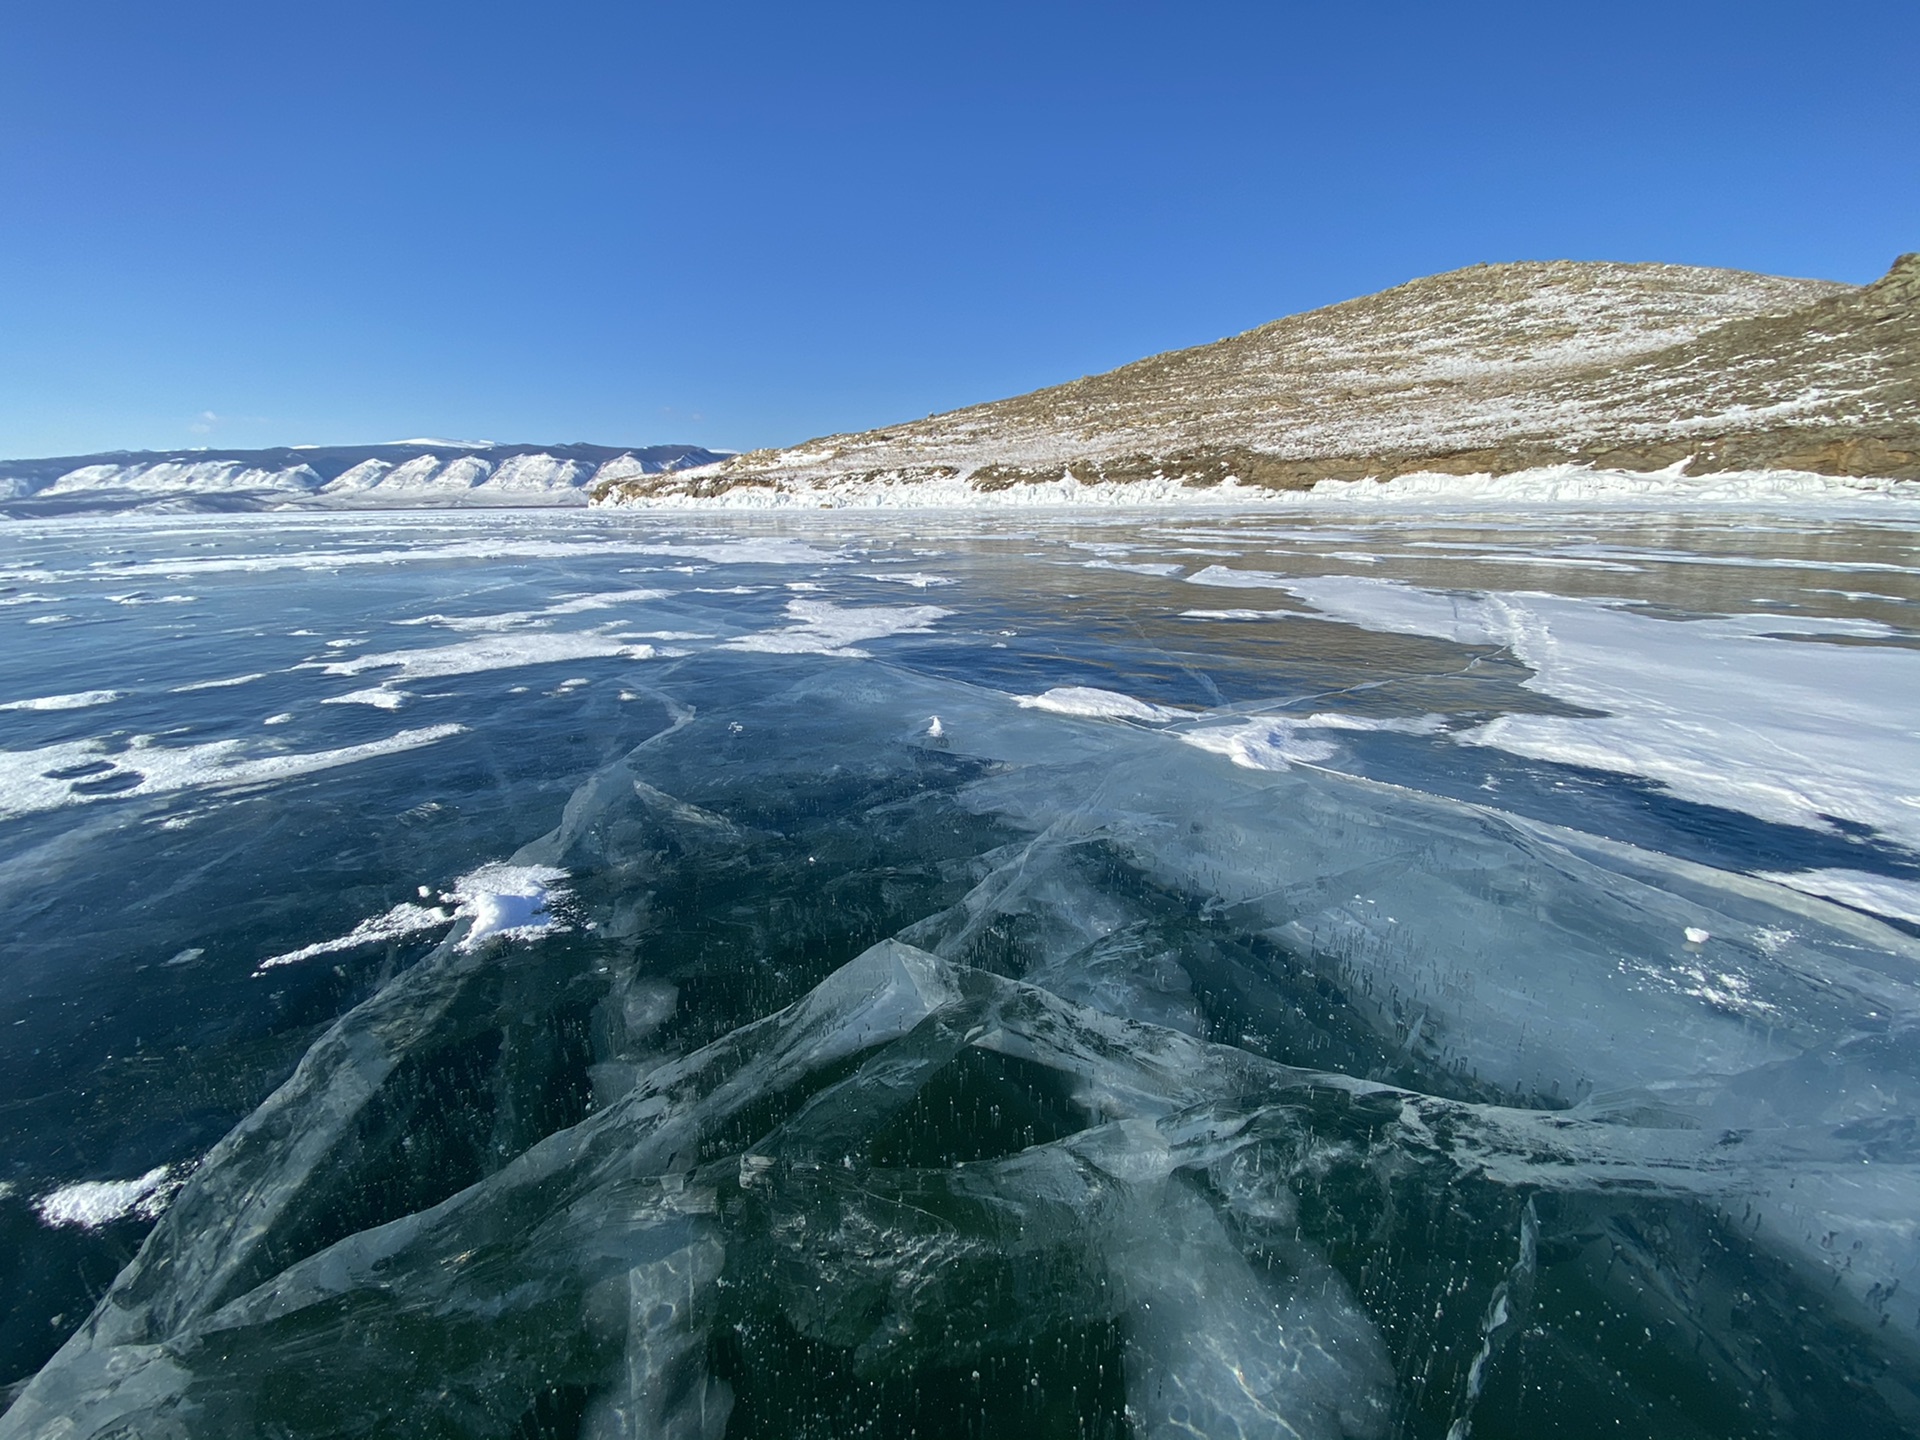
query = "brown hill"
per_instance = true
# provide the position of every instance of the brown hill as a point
(1495, 369)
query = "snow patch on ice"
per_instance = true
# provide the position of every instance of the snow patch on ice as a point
(1877, 894)
(824, 628)
(1569, 485)
(1241, 614)
(1099, 704)
(533, 619)
(505, 652)
(220, 684)
(1273, 743)
(513, 902)
(91, 1204)
(379, 697)
(82, 771)
(1721, 710)
(606, 599)
(497, 900)
(396, 924)
(756, 551)
(1552, 486)
(1132, 567)
(1228, 578)
(79, 700)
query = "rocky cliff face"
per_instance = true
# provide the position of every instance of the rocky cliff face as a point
(1492, 369)
(407, 474)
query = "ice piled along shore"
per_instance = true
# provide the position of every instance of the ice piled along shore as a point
(1556, 486)
(1057, 1070)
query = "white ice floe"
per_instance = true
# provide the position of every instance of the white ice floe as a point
(94, 1203)
(1877, 894)
(81, 771)
(1722, 710)
(502, 652)
(1274, 743)
(79, 700)
(379, 697)
(915, 578)
(1098, 704)
(823, 628)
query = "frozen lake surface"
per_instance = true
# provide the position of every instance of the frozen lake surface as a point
(1169, 975)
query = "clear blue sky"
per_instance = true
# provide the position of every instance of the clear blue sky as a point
(270, 222)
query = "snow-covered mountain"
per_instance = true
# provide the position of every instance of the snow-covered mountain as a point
(1496, 369)
(405, 473)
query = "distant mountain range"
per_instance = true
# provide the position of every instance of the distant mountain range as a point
(406, 473)
(1496, 369)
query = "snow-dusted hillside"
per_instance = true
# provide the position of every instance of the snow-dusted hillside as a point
(405, 473)
(1491, 370)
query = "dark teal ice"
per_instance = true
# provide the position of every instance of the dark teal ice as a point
(519, 976)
